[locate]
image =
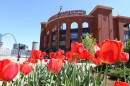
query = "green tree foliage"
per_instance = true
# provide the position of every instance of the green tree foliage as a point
(118, 73)
(127, 47)
(88, 42)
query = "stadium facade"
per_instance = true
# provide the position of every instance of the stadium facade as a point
(100, 22)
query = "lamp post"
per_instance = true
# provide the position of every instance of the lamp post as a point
(1, 43)
(18, 52)
(58, 34)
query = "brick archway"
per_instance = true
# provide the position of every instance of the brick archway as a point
(68, 20)
(101, 24)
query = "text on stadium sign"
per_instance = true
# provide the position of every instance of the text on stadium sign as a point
(73, 12)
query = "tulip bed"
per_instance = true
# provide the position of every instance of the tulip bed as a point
(70, 69)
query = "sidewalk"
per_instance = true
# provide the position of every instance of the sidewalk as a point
(13, 58)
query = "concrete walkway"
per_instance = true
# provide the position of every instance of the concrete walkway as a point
(14, 58)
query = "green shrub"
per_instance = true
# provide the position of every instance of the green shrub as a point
(118, 73)
(88, 42)
(126, 48)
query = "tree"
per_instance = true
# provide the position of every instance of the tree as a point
(127, 47)
(88, 42)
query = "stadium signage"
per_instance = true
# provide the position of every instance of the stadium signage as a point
(66, 13)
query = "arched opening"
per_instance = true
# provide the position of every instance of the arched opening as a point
(63, 26)
(74, 25)
(74, 32)
(54, 29)
(62, 36)
(54, 36)
(126, 29)
(48, 38)
(85, 27)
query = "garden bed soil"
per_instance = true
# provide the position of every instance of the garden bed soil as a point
(110, 82)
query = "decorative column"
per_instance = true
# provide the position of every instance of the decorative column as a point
(50, 38)
(121, 31)
(56, 39)
(47, 39)
(68, 26)
(42, 34)
(111, 31)
(80, 32)
(45, 42)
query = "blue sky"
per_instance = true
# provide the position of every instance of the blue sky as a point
(22, 18)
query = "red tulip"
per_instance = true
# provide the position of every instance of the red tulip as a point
(84, 54)
(97, 61)
(52, 55)
(8, 70)
(26, 62)
(120, 83)
(97, 49)
(25, 68)
(120, 45)
(59, 52)
(43, 54)
(55, 65)
(124, 57)
(3, 63)
(71, 57)
(40, 58)
(36, 54)
(57, 55)
(109, 51)
(77, 47)
(62, 57)
(45, 60)
(32, 60)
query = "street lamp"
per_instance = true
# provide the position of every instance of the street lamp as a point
(58, 37)
(1, 43)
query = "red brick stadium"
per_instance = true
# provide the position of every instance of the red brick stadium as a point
(100, 22)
